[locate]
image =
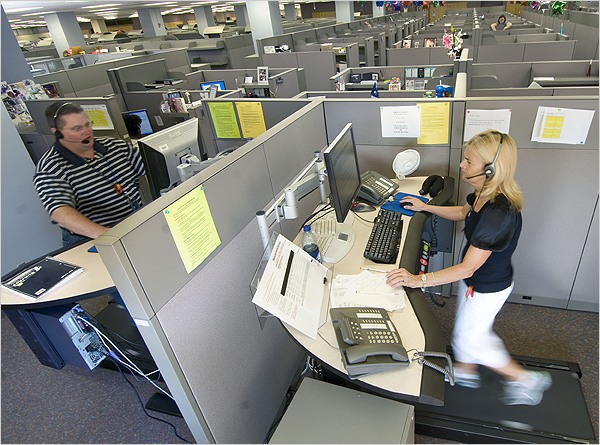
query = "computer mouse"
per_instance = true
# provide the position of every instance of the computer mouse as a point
(360, 207)
(404, 204)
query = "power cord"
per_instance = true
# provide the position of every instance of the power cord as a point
(137, 394)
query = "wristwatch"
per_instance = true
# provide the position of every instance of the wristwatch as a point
(424, 280)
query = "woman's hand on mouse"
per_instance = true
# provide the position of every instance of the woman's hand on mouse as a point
(415, 203)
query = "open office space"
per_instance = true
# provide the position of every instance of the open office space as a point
(235, 119)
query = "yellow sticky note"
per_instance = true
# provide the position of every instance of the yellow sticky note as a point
(224, 120)
(251, 117)
(192, 227)
(435, 123)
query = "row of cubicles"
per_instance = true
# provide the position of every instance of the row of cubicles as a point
(243, 372)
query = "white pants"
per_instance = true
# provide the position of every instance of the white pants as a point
(473, 339)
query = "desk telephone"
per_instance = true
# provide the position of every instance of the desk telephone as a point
(375, 187)
(368, 340)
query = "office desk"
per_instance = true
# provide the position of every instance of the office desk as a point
(93, 282)
(566, 81)
(417, 327)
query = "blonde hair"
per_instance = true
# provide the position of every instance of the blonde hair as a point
(486, 146)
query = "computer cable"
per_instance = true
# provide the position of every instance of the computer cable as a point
(135, 391)
(132, 366)
(326, 208)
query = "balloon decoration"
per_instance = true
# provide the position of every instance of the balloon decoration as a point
(379, 4)
(534, 4)
(558, 8)
(425, 5)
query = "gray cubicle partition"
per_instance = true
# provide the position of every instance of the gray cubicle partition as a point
(229, 373)
(556, 263)
(39, 142)
(273, 110)
(318, 66)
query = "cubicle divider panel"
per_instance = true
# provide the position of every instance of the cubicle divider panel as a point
(509, 52)
(546, 262)
(201, 326)
(318, 68)
(377, 152)
(91, 81)
(175, 60)
(107, 106)
(139, 73)
(62, 78)
(543, 51)
(408, 56)
(587, 42)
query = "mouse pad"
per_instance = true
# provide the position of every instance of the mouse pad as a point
(395, 206)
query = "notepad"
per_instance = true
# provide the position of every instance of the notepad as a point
(42, 277)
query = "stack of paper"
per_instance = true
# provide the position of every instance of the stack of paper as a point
(366, 290)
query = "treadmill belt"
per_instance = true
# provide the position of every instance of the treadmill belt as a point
(472, 415)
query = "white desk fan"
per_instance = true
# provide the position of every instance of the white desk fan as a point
(406, 162)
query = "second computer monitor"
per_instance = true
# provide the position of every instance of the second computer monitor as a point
(206, 85)
(145, 126)
(162, 152)
(341, 163)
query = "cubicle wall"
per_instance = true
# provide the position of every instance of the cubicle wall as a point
(228, 372)
(111, 120)
(556, 250)
(273, 112)
(318, 66)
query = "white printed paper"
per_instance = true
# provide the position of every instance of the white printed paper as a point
(366, 290)
(292, 287)
(562, 125)
(477, 121)
(400, 122)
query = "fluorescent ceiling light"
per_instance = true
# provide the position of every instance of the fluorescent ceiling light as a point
(13, 11)
(100, 6)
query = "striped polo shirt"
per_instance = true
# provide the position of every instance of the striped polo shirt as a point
(63, 178)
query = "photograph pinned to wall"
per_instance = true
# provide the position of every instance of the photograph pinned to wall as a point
(416, 44)
(429, 42)
(394, 87)
(269, 49)
(262, 74)
(406, 43)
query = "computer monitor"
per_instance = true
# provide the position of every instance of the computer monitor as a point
(163, 151)
(341, 163)
(206, 85)
(145, 125)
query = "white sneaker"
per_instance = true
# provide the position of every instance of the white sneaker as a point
(528, 390)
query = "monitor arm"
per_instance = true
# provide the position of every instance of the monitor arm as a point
(189, 166)
(286, 205)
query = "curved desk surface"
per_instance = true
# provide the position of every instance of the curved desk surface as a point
(416, 324)
(94, 281)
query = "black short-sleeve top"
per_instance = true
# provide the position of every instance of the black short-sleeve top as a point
(496, 227)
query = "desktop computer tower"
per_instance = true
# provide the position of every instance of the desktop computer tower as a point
(57, 338)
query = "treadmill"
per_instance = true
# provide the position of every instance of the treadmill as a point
(478, 416)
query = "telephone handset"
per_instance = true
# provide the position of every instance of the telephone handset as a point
(368, 340)
(375, 187)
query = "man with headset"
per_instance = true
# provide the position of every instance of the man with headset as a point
(87, 185)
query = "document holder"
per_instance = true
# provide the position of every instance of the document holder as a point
(261, 314)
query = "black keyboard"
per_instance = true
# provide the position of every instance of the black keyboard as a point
(384, 241)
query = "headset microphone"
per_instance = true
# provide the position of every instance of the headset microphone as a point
(476, 176)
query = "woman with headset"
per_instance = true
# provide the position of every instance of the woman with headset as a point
(493, 222)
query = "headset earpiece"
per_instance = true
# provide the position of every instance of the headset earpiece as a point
(432, 185)
(490, 169)
(58, 134)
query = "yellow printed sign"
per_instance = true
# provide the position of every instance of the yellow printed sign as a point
(100, 116)
(251, 117)
(435, 123)
(192, 227)
(553, 127)
(224, 121)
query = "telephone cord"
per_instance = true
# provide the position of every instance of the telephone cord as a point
(447, 370)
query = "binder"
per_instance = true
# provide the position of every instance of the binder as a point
(42, 277)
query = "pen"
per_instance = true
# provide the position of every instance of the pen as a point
(370, 269)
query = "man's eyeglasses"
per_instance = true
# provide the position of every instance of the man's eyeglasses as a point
(80, 128)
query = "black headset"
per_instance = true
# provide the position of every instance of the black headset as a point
(432, 185)
(57, 132)
(490, 169)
